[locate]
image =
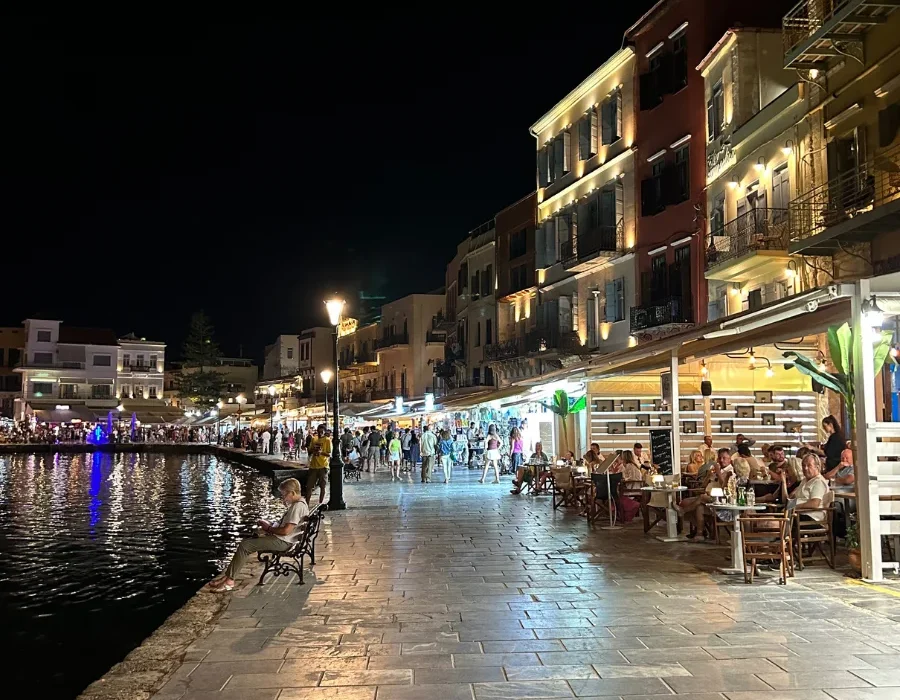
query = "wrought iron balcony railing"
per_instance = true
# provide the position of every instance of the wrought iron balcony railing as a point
(589, 243)
(872, 184)
(505, 350)
(758, 229)
(660, 314)
(389, 341)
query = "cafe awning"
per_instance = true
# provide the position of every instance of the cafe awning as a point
(460, 403)
(70, 414)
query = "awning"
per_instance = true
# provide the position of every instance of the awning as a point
(459, 403)
(76, 413)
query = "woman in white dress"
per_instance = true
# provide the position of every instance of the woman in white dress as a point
(491, 455)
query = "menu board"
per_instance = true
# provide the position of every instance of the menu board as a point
(661, 450)
(545, 429)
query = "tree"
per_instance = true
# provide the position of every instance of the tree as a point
(564, 407)
(197, 380)
(841, 341)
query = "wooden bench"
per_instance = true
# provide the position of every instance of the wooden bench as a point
(291, 561)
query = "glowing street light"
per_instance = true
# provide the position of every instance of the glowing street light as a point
(336, 499)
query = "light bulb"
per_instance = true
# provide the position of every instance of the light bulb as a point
(769, 372)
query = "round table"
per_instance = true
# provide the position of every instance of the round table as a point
(671, 513)
(737, 543)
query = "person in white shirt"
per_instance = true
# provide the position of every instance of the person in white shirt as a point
(428, 445)
(811, 491)
(266, 438)
(639, 455)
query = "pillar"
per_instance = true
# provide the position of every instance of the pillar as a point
(676, 417)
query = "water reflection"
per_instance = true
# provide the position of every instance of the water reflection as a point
(99, 549)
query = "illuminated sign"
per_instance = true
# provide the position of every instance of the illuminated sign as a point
(348, 326)
(429, 402)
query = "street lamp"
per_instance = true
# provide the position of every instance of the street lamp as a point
(241, 400)
(336, 499)
(326, 375)
(272, 409)
(219, 406)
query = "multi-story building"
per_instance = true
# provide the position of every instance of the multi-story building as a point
(282, 358)
(239, 375)
(847, 204)
(12, 345)
(358, 360)
(470, 319)
(68, 366)
(755, 110)
(669, 41)
(585, 232)
(409, 345)
(516, 288)
(139, 369)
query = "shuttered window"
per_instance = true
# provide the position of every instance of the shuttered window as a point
(559, 157)
(593, 339)
(575, 313)
(615, 300)
(587, 135)
(544, 167)
(715, 112)
(611, 127)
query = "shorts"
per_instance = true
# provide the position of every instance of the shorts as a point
(407, 454)
(374, 452)
(395, 456)
(493, 455)
(317, 477)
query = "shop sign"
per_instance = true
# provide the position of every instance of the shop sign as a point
(719, 161)
(429, 403)
(348, 326)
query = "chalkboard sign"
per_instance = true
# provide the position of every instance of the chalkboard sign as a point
(661, 450)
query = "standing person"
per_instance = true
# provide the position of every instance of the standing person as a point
(374, 449)
(413, 449)
(276, 446)
(429, 448)
(319, 454)
(394, 450)
(346, 442)
(445, 447)
(492, 455)
(266, 439)
(291, 444)
(405, 446)
(834, 445)
(515, 449)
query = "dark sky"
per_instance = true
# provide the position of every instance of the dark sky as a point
(154, 168)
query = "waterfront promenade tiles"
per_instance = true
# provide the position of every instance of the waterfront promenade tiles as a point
(466, 592)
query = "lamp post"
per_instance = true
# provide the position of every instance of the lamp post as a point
(326, 375)
(336, 498)
(272, 409)
(219, 406)
(241, 400)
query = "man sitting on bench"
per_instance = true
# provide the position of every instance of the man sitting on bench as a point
(272, 538)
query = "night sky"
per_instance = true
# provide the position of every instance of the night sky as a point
(154, 168)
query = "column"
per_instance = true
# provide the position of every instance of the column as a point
(868, 516)
(676, 418)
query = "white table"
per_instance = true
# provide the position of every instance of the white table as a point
(671, 514)
(737, 542)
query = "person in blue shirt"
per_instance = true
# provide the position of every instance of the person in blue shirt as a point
(445, 450)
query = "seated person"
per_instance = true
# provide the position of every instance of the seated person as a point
(789, 479)
(569, 459)
(777, 465)
(627, 464)
(525, 474)
(693, 466)
(627, 507)
(276, 538)
(812, 489)
(843, 474)
(744, 452)
(741, 470)
(593, 458)
(717, 477)
(709, 459)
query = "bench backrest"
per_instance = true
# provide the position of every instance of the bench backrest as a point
(310, 529)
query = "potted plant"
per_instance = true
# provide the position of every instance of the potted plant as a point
(851, 539)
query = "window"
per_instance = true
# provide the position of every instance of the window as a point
(715, 112)
(717, 216)
(518, 243)
(488, 332)
(104, 361)
(138, 392)
(488, 376)
(477, 334)
(658, 287)
(611, 128)
(781, 194)
(651, 190)
(679, 62)
(654, 83)
(43, 358)
(43, 336)
(593, 338)
(12, 356)
(68, 391)
(518, 278)
(126, 360)
(615, 300)
(487, 278)
(41, 389)
(153, 363)
(476, 376)
(1, 357)
(101, 391)
(682, 177)
(544, 166)
(587, 135)
(476, 284)
(556, 155)
(290, 353)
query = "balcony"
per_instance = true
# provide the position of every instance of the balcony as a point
(391, 341)
(753, 244)
(590, 248)
(552, 341)
(661, 315)
(442, 323)
(853, 207)
(31, 364)
(813, 27)
(140, 368)
(505, 350)
(433, 337)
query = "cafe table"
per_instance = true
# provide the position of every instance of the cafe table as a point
(737, 541)
(671, 514)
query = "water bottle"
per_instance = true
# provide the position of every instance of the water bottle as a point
(751, 497)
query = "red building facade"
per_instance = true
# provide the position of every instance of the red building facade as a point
(670, 41)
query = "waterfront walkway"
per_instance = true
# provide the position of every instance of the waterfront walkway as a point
(464, 591)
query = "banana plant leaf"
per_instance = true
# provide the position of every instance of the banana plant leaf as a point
(806, 366)
(882, 350)
(840, 345)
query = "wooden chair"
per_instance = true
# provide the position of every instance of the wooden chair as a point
(815, 534)
(766, 536)
(564, 493)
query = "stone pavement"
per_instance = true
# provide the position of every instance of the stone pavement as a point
(466, 592)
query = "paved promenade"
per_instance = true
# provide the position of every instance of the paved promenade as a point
(465, 592)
